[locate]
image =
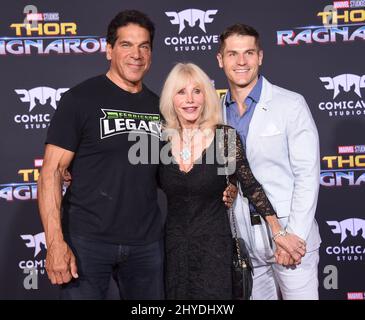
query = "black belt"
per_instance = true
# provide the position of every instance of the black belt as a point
(255, 219)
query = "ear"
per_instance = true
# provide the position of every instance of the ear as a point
(220, 60)
(261, 57)
(109, 50)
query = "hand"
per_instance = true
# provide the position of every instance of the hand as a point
(66, 177)
(60, 263)
(282, 257)
(229, 195)
(293, 245)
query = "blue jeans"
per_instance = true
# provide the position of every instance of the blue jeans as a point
(137, 270)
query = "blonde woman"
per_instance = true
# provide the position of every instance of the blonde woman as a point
(198, 236)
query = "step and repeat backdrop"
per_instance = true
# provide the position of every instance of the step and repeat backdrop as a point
(314, 47)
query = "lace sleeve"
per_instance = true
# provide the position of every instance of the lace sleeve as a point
(249, 185)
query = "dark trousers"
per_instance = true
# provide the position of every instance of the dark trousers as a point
(137, 270)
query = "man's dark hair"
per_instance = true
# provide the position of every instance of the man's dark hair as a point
(126, 17)
(239, 29)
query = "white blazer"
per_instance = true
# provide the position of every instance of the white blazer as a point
(282, 149)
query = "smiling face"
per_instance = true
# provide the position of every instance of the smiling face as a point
(240, 60)
(189, 103)
(130, 56)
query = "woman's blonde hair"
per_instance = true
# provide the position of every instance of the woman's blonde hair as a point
(180, 75)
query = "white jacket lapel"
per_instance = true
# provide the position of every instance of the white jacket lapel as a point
(259, 118)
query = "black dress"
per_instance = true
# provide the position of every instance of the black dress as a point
(198, 236)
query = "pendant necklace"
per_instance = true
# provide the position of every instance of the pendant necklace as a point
(185, 154)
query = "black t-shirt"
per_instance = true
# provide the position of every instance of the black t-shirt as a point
(110, 199)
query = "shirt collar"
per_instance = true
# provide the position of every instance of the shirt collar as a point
(253, 95)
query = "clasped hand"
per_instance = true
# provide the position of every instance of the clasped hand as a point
(290, 249)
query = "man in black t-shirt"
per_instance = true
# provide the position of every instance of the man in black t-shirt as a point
(110, 222)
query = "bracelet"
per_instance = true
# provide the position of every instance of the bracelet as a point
(281, 233)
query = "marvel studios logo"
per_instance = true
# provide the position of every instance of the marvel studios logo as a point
(348, 4)
(351, 149)
(38, 163)
(355, 295)
(47, 16)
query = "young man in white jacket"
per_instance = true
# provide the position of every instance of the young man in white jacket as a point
(281, 141)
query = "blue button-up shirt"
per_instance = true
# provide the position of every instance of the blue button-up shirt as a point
(242, 123)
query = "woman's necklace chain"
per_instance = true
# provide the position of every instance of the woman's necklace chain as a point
(185, 153)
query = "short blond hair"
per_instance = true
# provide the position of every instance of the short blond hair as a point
(180, 75)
